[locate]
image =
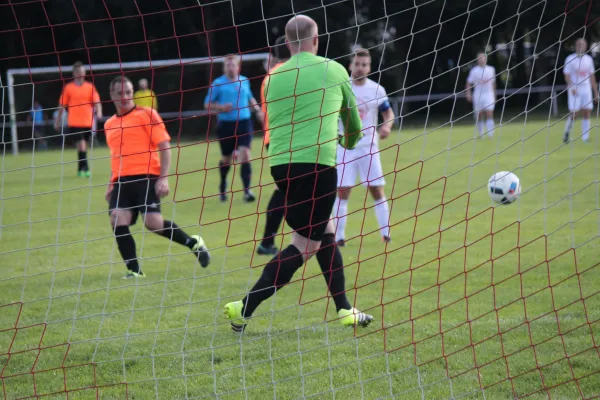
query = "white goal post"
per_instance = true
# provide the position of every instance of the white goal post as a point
(11, 73)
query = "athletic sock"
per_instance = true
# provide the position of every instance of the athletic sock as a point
(332, 265)
(480, 127)
(585, 129)
(173, 232)
(126, 245)
(246, 173)
(568, 125)
(340, 211)
(382, 212)
(277, 273)
(275, 213)
(224, 170)
(490, 127)
(82, 163)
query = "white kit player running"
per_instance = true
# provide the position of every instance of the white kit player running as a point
(579, 73)
(482, 78)
(364, 161)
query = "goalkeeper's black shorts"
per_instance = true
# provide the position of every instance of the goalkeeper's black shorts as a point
(310, 191)
(135, 193)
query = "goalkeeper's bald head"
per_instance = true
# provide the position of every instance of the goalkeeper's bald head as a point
(302, 34)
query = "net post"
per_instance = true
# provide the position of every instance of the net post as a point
(10, 81)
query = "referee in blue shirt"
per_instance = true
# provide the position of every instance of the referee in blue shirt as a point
(231, 97)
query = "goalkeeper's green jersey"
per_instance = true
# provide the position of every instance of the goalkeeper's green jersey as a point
(306, 97)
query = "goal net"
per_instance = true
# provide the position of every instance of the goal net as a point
(470, 299)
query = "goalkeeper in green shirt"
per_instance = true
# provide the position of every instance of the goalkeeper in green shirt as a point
(306, 97)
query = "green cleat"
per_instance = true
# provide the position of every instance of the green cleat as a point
(133, 275)
(87, 174)
(201, 252)
(354, 317)
(81, 174)
(233, 312)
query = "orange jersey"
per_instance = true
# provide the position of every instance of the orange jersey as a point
(79, 100)
(263, 102)
(133, 139)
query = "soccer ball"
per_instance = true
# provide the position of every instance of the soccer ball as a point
(504, 187)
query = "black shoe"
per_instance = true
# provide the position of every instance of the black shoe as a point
(386, 239)
(249, 197)
(566, 138)
(200, 251)
(223, 198)
(341, 243)
(267, 250)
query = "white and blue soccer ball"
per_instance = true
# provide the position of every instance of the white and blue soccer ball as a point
(504, 187)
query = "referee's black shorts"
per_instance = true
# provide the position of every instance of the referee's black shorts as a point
(310, 191)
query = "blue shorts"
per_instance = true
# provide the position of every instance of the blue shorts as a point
(233, 134)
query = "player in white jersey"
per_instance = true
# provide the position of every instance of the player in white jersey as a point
(580, 76)
(364, 161)
(482, 78)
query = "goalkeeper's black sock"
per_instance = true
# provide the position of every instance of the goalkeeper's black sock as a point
(224, 170)
(277, 273)
(275, 213)
(332, 265)
(126, 245)
(82, 163)
(173, 232)
(246, 174)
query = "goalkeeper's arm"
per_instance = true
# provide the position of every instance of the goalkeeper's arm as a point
(350, 117)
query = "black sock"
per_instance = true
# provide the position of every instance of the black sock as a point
(224, 170)
(275, 213)
(332, 265)
(126, 245)
(82, 157)
(173, 232)
(277, 273)
(246, 173)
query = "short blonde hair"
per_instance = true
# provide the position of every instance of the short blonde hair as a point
(232, 56)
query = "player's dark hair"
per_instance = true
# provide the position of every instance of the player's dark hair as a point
(118, 80)
(360, 52)
(280, 49)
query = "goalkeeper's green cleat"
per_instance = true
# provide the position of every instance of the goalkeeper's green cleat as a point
(133, 275)
(354, 317)
(233, 312)
(201, 252)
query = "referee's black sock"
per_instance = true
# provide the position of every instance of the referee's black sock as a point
(126, 245)
(82, 157)
(277, 273)
(173, 232)
(275, 213)
(246, 173)
(224, 170)
(332, 265)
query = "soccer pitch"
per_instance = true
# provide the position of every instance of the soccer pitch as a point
(466, 296)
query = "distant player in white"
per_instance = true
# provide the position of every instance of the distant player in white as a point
(364, 160)
(579, 73)
(482, 78)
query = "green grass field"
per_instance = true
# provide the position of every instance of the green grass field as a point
(470, 300)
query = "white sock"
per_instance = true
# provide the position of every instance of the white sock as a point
(585, 129)
(490, 127)
(568, 125)
(382, 212)
(340, 212)
(480, 127)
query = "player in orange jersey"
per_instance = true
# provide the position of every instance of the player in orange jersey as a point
(140, 154)
(276, 207)
(82, 100)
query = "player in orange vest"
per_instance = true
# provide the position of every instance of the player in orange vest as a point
(82, 101)
(276, 208)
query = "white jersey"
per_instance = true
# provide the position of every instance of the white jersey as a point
(579, 69)
(369, 97)
(483, 80)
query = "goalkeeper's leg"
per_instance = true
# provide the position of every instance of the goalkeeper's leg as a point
(120, 220)
(274, 217)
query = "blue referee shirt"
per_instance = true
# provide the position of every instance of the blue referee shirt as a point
(238, 93)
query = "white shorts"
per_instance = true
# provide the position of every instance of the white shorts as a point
(580, 101)
(363, 162)
(483, 103)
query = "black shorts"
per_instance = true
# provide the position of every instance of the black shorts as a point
(233, 134)
(310, 191)
(74, 134)
(135, 193)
